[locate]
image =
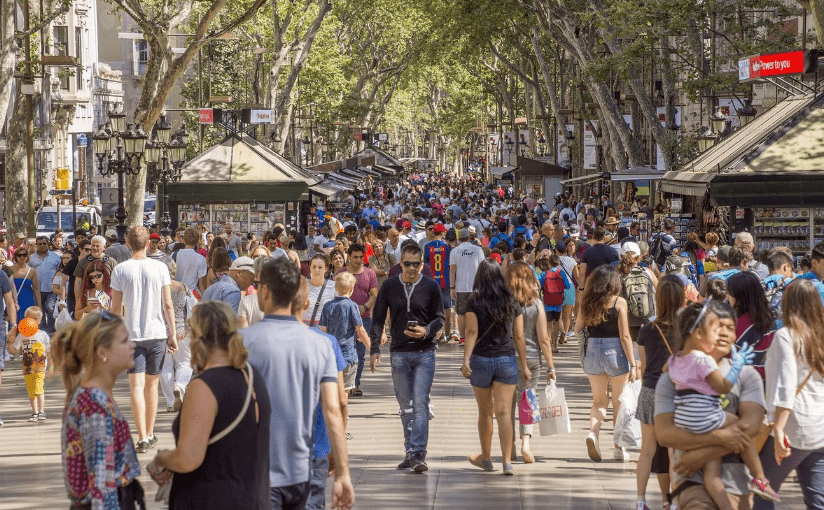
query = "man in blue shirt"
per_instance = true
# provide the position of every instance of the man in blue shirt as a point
(45, 263)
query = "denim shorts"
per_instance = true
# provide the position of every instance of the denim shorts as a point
(605, 356)
(148, 357)
(502, 369)
(446, 297)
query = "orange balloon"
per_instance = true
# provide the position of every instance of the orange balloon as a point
(27, 327)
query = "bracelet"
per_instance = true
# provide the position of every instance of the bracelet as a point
(551, 370)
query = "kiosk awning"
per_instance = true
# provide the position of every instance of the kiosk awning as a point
(642, 173)
(584, 179)
(686, 183)
(499, 171)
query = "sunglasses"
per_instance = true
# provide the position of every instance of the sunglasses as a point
(700, 316)
(96, 276)
(409, 263)
(255, 283)
(22, 255)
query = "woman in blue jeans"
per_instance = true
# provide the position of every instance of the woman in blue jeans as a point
(794, 370)
(609, 348)
(494, 330)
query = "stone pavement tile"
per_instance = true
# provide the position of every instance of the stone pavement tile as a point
(563, 477)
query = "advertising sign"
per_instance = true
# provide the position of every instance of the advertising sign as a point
(259, 117)
(662, 117)
(206, 116)
(590, 155)
(777, 64)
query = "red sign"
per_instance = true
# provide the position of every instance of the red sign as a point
(778, 64)
(358, 136)
(207, 116)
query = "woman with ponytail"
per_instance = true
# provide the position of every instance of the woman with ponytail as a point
(99, 459)
(222, 433)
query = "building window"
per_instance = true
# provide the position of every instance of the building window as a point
(141, 57)
(60, 47)
(78, 51)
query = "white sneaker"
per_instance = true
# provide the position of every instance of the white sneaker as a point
(620, 455)
(641, 506)
(178, 391)
(593, 450)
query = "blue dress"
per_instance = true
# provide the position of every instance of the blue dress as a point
(25, 296)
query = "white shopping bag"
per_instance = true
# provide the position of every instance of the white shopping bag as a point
(63, 317)
(554, 411)
(627, 427)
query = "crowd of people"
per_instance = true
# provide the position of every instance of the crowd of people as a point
(259, 343)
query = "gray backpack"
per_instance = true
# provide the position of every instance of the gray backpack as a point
(638, 291)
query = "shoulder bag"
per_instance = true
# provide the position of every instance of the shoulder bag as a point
(164, 489)
(317, 303)
(767, 428)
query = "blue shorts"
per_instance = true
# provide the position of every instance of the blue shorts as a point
(605, 356)
(446, 297)
(148, 357)
(502, 369)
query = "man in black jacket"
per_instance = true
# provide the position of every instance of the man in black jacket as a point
(414, 302)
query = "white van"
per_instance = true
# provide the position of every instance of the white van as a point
(47, 219)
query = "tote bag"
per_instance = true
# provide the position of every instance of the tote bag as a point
(554, 411)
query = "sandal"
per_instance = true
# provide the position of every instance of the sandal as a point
(764, 490)
(528, 457)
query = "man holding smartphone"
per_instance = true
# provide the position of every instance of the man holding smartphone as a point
(414, 303)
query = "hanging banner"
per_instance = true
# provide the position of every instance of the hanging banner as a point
(564, 151)
(590, 152)
(662, 117)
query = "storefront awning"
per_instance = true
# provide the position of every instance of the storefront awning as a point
(641, 173)
(324, 189)
(686, 183)
(584, 179)
(499, 171)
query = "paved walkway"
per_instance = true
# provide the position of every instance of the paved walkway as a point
(562, 477)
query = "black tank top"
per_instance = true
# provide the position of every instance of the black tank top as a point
(235, 471)
(608, 328)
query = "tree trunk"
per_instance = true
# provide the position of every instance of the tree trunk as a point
(7, 57)
(16, 173)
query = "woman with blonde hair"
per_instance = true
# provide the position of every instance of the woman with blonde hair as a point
(524, 287)
(608, 351)
(222, 433)
(795, 396)
(99, 458)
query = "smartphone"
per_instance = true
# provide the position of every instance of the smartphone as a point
(411, 324)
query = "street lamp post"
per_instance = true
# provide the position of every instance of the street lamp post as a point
(119, 153)
(160, 152)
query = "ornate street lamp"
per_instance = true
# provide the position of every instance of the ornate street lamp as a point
(706, 139)
(509, 145)
(719, 121)
(164, 149)
(747, 112)
(119, 152)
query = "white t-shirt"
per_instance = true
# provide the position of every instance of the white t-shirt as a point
(466, 258)
(191, 265)
(141, 282)
(328, 295)
(250, 309)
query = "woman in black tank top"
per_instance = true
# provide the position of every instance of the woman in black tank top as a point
(609, 356)
(233, 471)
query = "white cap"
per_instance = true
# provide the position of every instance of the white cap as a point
(244, 264)
(631, 247)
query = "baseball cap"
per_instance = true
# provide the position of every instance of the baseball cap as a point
(560, 246)
(438, 228)
(630, 247)
(406, 224)
(155, 236)
(244, 264)
(463, 234)
(111, 233)
(724, 254)
(471, 229)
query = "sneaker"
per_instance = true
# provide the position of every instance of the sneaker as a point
(509, 470)
(764, 490)
(641, 506)
(348, 436)
(153, 440)
(34, 417)
(142, 446)
(355, 392)
(593, 450)
(1, 421)
(406, 464)
(461, 341)
(620, 455)
(455, 337)
(42, 416)
(178, 398)
(418, 464)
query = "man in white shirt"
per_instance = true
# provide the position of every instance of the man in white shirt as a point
(191, 265)
(463, 264)
(141, 293)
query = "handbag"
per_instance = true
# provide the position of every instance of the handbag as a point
(766, 429)
(529, 411)
(554, 411)
(164, 490)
